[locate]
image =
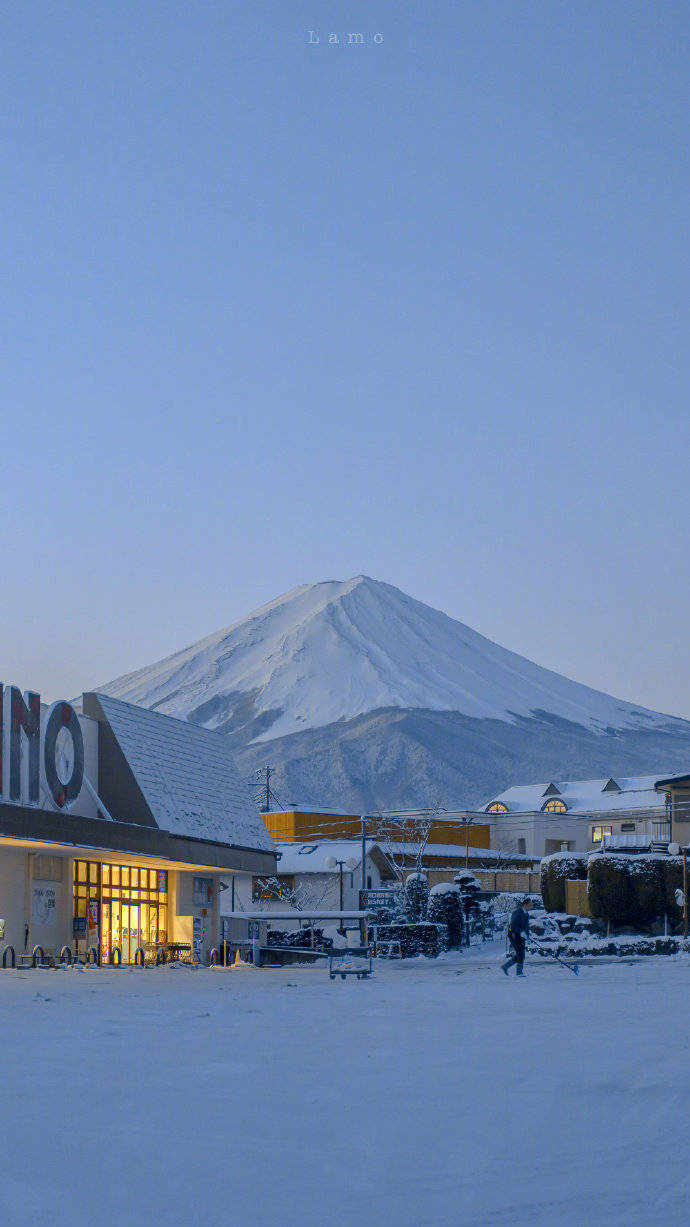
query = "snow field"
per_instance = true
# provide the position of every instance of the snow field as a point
(438, 1094)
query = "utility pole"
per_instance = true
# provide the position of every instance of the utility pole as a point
(467, 841)
(266, 807)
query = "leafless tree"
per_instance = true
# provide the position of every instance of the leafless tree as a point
(403, 836)
(302, 896)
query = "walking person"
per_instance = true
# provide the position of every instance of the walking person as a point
(518, 932)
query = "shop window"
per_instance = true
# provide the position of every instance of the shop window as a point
(126, 917)
(48, 868)
(203, 891)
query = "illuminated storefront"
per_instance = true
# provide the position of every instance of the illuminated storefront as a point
(119, 827)
(129, 905)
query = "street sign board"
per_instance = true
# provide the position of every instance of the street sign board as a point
(386, 897)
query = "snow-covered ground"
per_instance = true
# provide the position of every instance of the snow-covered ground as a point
(438, 1094)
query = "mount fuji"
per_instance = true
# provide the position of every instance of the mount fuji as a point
(361, 697)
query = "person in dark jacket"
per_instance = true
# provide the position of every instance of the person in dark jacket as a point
(518, 932)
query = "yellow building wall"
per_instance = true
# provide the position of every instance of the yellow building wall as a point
(477, 835)
(298, 827)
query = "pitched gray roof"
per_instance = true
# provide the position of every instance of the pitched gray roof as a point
(187, 775)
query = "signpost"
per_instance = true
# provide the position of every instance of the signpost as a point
(385, 897)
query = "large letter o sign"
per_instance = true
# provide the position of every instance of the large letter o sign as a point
(63, 716)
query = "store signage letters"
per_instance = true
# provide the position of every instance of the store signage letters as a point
(45, 743)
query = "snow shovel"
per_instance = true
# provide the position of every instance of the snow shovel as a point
(571, 966)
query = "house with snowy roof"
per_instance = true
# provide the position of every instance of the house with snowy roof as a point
(579, 815)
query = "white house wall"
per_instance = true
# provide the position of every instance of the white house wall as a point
(535, 829)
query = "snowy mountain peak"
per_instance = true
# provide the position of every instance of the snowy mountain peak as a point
(335, 650)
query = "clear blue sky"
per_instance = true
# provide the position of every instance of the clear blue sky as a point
(275, 313)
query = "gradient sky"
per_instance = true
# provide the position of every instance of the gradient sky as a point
(276, 313)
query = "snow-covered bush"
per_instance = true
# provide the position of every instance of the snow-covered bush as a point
(648, 888)
(413, 939)
(634, 890)
(446, 907)
(416, 897)
(609, 890)
(467, 881)
(556, 870)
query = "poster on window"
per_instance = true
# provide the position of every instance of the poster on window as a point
(44, 903)
(203, 891)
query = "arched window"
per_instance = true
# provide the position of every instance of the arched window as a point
(554, 806)
(497, 808)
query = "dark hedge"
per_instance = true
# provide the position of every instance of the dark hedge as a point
(634, 890)
(415, 939)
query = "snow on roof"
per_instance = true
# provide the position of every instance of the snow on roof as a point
(588, 796)
(311, 857)
(187, 775)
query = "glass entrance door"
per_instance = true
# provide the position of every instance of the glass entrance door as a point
(130, 931)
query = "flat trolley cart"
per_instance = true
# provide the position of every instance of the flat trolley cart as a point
(350, 962)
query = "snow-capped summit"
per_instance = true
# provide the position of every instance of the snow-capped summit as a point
(334, 651)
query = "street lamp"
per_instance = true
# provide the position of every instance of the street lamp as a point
(349, 864)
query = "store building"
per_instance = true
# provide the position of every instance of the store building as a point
(118, 828)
